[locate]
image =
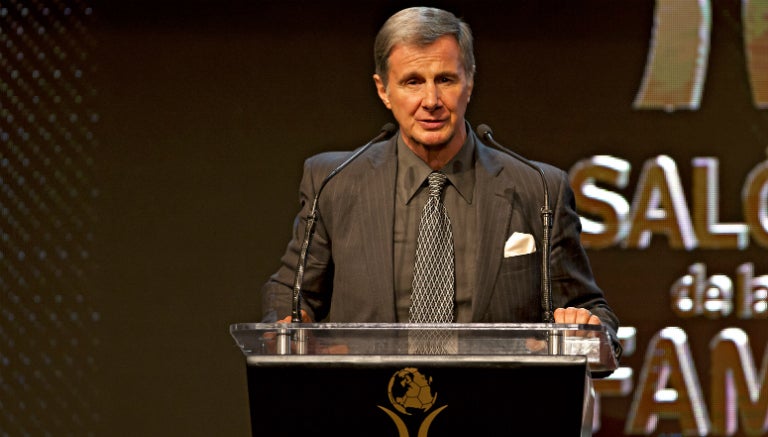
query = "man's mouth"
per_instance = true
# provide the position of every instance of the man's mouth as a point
(432, 124)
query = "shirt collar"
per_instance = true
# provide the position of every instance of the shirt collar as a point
(412, 171)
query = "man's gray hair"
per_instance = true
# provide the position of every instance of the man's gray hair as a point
(422, 26)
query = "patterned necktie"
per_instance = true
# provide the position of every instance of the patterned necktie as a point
(433, 278)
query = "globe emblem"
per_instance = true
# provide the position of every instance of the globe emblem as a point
(409, 391)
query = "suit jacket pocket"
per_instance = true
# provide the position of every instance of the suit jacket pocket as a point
(520, 275)
(516, 296)
(519, 263)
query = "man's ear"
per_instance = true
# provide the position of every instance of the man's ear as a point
(471, 86)
(381, 88)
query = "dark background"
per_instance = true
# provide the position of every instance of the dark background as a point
(206, 111)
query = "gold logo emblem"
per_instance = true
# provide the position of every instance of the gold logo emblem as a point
(410, 393)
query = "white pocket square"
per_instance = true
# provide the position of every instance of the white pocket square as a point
(519, 244)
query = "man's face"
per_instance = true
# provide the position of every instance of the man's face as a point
(427, 91)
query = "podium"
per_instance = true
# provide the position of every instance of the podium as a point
(409, 380)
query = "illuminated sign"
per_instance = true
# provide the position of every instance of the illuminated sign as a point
(677, 60)
(659, 205)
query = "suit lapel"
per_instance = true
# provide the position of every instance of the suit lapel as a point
(494, 209)
(378, 201)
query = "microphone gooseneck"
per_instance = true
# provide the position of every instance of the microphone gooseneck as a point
(386, 130)
(547, 309)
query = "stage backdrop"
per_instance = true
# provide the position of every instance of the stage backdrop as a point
(150, 154)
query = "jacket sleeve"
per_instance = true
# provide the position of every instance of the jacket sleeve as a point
(277, 293)
(573, 283)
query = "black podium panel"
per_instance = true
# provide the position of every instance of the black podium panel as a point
(419, 397)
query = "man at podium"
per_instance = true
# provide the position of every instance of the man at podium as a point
(432, 224)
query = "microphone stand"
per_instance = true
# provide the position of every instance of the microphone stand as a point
(555, 344)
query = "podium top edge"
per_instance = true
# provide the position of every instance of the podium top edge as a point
(238, 327)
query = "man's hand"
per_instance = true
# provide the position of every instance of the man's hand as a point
(304, 318)
(580, 316)
(571, 315)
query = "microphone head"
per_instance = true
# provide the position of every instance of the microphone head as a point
(484, 130)
(388, 129)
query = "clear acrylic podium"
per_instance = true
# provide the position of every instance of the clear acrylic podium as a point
(410, 380)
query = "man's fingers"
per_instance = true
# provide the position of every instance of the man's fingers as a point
(304, 318)
(581, 316)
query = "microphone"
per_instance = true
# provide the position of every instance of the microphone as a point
(486, 133)
(386, 130)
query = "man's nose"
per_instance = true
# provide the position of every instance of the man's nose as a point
(431, 99)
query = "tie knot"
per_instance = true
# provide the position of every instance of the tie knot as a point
(436, 183)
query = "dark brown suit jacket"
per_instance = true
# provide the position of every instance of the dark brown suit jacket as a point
(349, 273)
